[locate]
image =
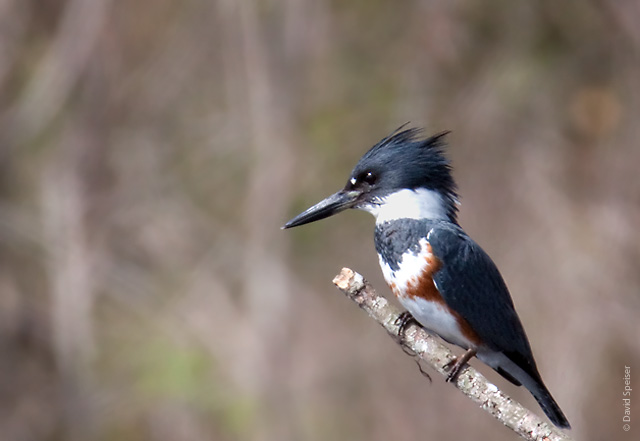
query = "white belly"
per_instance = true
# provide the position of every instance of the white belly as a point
(436, 319)
(434, 316)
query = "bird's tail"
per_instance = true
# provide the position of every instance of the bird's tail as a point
(531, 380)
(549, 405)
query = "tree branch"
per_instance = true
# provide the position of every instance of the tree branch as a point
(470, 382)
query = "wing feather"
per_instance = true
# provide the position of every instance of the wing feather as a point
(471, 284)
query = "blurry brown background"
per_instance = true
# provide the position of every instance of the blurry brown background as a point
(150, 151)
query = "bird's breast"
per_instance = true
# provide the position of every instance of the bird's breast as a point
(412, 281)
(412, 275)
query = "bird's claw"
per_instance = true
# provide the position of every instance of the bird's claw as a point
(455, 365)
(403, 321)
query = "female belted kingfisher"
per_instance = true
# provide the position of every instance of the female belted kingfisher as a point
(439, 274)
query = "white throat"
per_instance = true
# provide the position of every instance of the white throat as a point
(408, 204)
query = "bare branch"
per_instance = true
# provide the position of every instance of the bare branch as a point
(470, 382)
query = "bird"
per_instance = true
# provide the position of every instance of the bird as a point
(442, 277)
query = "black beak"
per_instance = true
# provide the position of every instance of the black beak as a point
(334, 204)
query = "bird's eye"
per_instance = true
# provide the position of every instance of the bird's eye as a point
(370, 178)
(367, 177)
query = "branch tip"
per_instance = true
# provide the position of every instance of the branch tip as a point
(344, 279)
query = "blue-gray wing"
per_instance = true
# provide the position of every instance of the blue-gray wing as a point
(471, 284)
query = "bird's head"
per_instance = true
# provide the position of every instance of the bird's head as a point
(402, 176)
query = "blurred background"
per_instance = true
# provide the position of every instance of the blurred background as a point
(151, 150)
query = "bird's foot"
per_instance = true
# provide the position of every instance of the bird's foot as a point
(455, 366)
(403, 321)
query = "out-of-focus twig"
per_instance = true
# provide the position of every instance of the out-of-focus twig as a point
(64, 62)
(470, 382)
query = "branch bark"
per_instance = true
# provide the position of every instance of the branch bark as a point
(470, 382)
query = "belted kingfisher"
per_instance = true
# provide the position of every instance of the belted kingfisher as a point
(439, 274)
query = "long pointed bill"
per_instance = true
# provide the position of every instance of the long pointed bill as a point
(334, 204)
